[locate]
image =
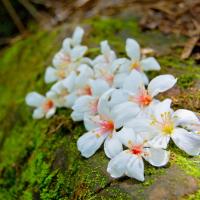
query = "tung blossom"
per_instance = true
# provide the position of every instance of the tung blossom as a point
(136, 62)
(87, 104)
(139, 99)
(67, 59)
(101, 127)
(44, 106)
(130, 162)
(167, 124)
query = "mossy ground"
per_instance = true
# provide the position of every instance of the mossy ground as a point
(39, 159)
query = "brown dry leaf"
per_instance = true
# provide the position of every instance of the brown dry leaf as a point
(189, 46)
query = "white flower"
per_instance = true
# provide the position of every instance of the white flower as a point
(101, 127)
(104, 67)
(139, 100)
(130, 162)
(135, 62)
(44, 106)
(76, 38)
(67, 59)
(169, 124)
(61, 92)
(87, 104)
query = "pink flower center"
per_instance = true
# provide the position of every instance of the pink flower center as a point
(137, 149)
(143, 98)
(106, 126)
(48, 104)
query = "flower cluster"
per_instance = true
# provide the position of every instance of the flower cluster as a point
(117, 103)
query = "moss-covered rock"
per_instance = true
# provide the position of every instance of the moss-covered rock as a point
(39, 159)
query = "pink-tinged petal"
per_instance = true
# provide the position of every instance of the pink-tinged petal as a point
(187, 141)
(161, 83)
(183, 117)
(38, 113)
(51, 112)
(156, 157)
(128, 137)
(132, 49)
(149, 64)
(135, 168)
(90, 122)
(123, 112)
(160, 141)
(50, 75)
(98, 87)
(34, 99)
(90, 142)
(77, 36)
(112, 146)
(117, 165)
(133, 82)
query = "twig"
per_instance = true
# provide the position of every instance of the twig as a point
(13, 15)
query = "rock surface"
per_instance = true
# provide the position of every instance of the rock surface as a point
(39, 159)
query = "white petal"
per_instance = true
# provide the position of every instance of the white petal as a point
(98, 87)
(70, 99)
(142, 126)
(118, 96)
(144, 78)
(78, 52)
(156, 157)
(135, 168)
(161, 108)
(80, 107)
(183, 117)
(77, 116)
(128, 137)
(69, 81)
(90, 122)
(133, 82)
(58, 87)
(51, 112)
(161, 83)
(187, 141)
(34, 99)
(132, 49)
(160, 141)
(77, 36)
(38, 113)
(103, 107)
(89, 143)
(119, 80)
(123, 112)
(112, 146)
(117, 165)
(50, 75)
(66, 46)
(149, 64)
